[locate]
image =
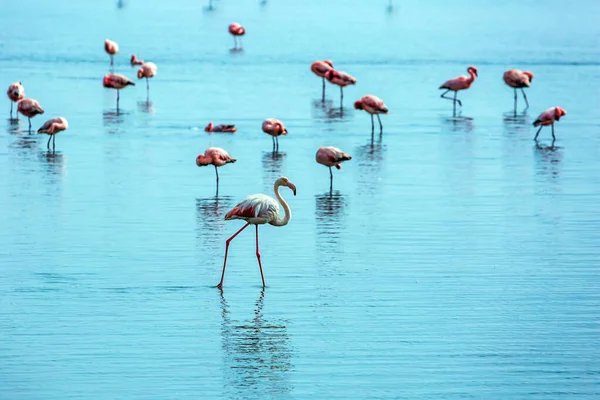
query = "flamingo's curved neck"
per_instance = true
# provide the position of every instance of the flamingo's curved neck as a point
(286, 209)
(473, 76)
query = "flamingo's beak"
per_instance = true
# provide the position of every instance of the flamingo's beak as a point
(292, 186)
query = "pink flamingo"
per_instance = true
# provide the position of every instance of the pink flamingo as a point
(331, 157)
(29, 108)
(214, 156)
(135, 60)
(15, 93)
(220, 128)
(459, 83)
(548, 117)
(52, 127)
(259, 209)
(275, 128)
(237, 30)
(517, 79)
(374, 106)
(117, 81)
(148, 70)
(341, 79)
(320, 68)
(111, 48)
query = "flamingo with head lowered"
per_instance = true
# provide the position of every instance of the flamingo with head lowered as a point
(259, 209)
(517, 79)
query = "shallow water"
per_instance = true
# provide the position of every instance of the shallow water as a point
(454, 258)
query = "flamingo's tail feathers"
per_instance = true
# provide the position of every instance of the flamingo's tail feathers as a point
(232, 160)
(338, 166)
(346, 157)
(537, 122)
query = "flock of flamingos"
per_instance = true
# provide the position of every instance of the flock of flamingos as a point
(259, 209)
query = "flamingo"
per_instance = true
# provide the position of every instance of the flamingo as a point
(341, 79)
(29, 108)
(148, 70)
(331, 157)
(459, 83)
(320, 68)
(517, 79)
(275, 128)
(548, 117)
(111, 48)
(136, 61)
(117, 81)
(220, 128)
(372, 105)
(237, 30)
(214, 156)
(52, 127)
(15, 93)
(259, 209)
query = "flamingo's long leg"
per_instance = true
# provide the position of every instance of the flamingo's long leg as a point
(524, 96)
(538, 132)
(380, 125)
(258, 257)
(220, 285)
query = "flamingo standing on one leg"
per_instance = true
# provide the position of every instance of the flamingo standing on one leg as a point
(275, 128)
(220, 128)
(29, 108)
(341, 79)
(52, 127)
(148, 70)
(214, 156)
(237, 30)
(459, 83)
(548, 117)
(372, 105)
(517, 79)
(136, 61)
(320, 68)
(111, 48)
(15, 93)
(259, 209)
(331, 157)
(117, 81)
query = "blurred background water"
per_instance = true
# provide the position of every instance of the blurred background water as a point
(454, 258)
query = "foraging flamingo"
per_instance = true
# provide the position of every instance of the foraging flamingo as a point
(275, 128)
(237, 30)
(148, 70)
(259, 209)
(341, 79)
(518, 79)
(15, 93)
(118, 82)
(136, 61)
(320, 68)
(214, 156)
(220, 128)
(548, 117)
(459, 83)
(374, 106)
(52, 127)
(111, 48)
(331, 157)
(29, 108)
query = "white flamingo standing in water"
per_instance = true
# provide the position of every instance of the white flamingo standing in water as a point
(259, 209)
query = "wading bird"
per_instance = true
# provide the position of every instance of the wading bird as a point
(459, 83)
(52, 127)
(331, 157)
(259, 209)
(214, 156)
(341, 79)
(111, 48)
(237, 30)
(118, 82)
(517, 79)
(374, 106)
(148, 70)
(275, 128)
(220, 128)
(15, 93)
(320, 68)
(548, 117)
(29, 108)
(136, 61)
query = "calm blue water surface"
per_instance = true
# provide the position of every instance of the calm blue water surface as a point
(454, 258)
